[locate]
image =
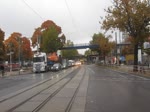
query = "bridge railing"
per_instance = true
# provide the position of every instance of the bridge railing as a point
(79, 46)
(74, 45)
(89, 44)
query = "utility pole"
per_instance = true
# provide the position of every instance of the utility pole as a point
(116, 46)
(19, 54)
(38, 43)
(10, 62)
(10, 57)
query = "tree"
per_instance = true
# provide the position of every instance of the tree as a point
(2, 47)
(12, 45)
(48, 36)
(131, 16)
(105, 46)
(69, 53)
(128, 49)
(50, 41)
(35, 37)
(87, 52)
(16, 42)
(26, 49)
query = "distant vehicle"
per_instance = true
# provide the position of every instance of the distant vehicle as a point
(71, 63)
(64, 63)
(56, 67)
(42, 62)
(78, 63)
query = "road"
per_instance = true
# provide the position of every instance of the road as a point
(111, 91)
(87, 88)
(13, 83)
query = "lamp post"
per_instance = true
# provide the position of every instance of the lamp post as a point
(11, 60)
(19, 53)
(116, 48)
(10, 56)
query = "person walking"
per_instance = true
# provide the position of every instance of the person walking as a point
(2, 70)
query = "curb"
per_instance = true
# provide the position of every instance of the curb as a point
(128, 72)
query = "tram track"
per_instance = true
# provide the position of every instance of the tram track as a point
(37, 92)
(71, 98)
(68, 108)
(74, 76)
(53, 94)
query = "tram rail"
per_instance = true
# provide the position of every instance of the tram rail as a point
(48, 84)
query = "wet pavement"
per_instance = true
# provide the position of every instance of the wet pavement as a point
(111, 91)
(102, 90)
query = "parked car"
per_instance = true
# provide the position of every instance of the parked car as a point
(56, 67)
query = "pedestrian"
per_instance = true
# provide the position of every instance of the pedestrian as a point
(2, 69)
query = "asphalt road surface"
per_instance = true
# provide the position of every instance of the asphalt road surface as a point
(107, 90)
(12, 84)
(111, 91)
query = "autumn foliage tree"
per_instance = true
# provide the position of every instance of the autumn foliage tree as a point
(12, 45)
(26, 49)
(2, 47)
(131, 16)
(48, 36)
(16, 42)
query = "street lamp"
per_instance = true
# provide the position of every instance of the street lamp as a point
(116, 48)
(19, 53)
(10, 58)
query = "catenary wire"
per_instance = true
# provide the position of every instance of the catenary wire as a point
(32, 9)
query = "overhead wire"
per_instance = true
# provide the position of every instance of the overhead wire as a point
(72, 19)
(33, 10)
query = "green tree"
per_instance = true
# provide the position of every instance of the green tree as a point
(69, 53)
(105, 46)
(87, 52)
(2, 46)
(131, 16)
(50, 41)
(48, 36)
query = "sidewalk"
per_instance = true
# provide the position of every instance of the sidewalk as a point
(142, 70)
(23, 71)
(129, 69)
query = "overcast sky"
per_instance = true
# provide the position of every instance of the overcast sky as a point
(79, 19)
